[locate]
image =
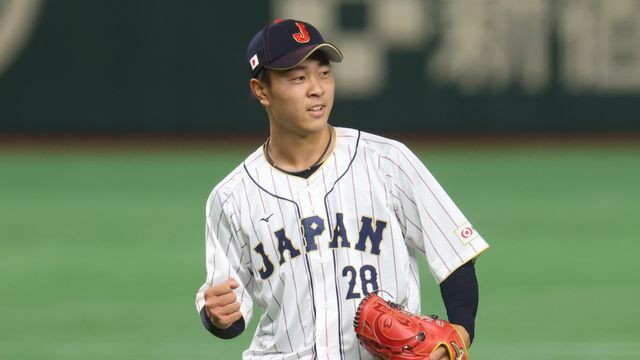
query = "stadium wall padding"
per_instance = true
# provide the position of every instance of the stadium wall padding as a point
(122, 66)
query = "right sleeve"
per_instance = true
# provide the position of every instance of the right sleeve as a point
(431, 221)
(226, 253)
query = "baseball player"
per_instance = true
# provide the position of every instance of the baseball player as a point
(318, 217)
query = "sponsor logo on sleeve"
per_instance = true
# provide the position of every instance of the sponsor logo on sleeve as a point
(466, 233)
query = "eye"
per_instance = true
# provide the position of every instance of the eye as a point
(298, 78)
(325, 73)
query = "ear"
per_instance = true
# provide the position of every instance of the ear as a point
(259, 91)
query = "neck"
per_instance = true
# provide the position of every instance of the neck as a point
(293, 152)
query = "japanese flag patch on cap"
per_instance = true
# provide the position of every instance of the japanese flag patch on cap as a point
(254, 61)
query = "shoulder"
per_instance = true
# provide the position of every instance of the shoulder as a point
(232, 184)
(374, 143)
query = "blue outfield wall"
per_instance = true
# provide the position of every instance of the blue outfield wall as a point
(164, 66)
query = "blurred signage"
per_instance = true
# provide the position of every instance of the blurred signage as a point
(481, 46)
(17, 19)
(410, 65)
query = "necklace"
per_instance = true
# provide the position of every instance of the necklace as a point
(316, 163)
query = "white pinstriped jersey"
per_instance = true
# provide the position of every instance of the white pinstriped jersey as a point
(307, 250)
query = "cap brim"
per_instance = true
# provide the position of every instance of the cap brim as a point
(294, 58)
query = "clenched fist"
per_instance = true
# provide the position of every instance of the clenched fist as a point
(222, 304)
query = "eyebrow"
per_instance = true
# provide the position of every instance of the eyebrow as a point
(303, 67)
(296, 68)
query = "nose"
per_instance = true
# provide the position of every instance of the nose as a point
(316, 87)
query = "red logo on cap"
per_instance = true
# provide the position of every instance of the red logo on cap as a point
(303, 36)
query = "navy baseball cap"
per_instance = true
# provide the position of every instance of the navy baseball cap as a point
(286, 43)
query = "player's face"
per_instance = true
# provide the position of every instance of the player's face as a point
(300, 100)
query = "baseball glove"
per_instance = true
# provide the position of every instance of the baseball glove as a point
(386, 330)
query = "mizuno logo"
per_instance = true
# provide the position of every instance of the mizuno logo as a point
(266, 219)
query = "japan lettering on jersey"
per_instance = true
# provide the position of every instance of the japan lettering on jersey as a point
(308, 250)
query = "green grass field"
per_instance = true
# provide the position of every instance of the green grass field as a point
(101, 251)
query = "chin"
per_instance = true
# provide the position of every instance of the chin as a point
(318, 125)
(312, 127)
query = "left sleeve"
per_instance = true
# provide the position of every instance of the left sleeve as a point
(234, 330)
(226, 257)
(460, 296)
(431, 222)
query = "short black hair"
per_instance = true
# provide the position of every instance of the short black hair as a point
(320, 56)
(264, 77)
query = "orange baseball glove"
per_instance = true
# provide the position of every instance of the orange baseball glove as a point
(386, 330)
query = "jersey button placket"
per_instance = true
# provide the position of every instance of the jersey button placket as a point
(314, 206)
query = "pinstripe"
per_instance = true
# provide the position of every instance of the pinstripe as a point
(324, 277)
(427, 211)
(264, 209)
(335, 263)
(213, 255)
(227, 255)
(395, 265)
(222, 212)
(405, 195)
(256, 233)
(339, 302)
(237, 206)
(257, 155)
(244, 292)
(430, 242)
(295, 286)
(348, 252)
(373, 208)
(306, 260)
(355, 204)
(290, 264)
(413, 274)
(439, 229)
(284, 315)
(216, 191)
(269, 282)
(403, 226)
(273, 242)
(424, 182)
(393, 247)
(217, 231)
(270, 287)
(335, 275)
(418, 214)
(273, 330)
(414, 223)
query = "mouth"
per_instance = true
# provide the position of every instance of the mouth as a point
(317, 110)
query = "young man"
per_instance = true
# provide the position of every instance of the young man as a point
(318, 217)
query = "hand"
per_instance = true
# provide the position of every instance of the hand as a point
(222, 305)
(464, 334)
(440, 353)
